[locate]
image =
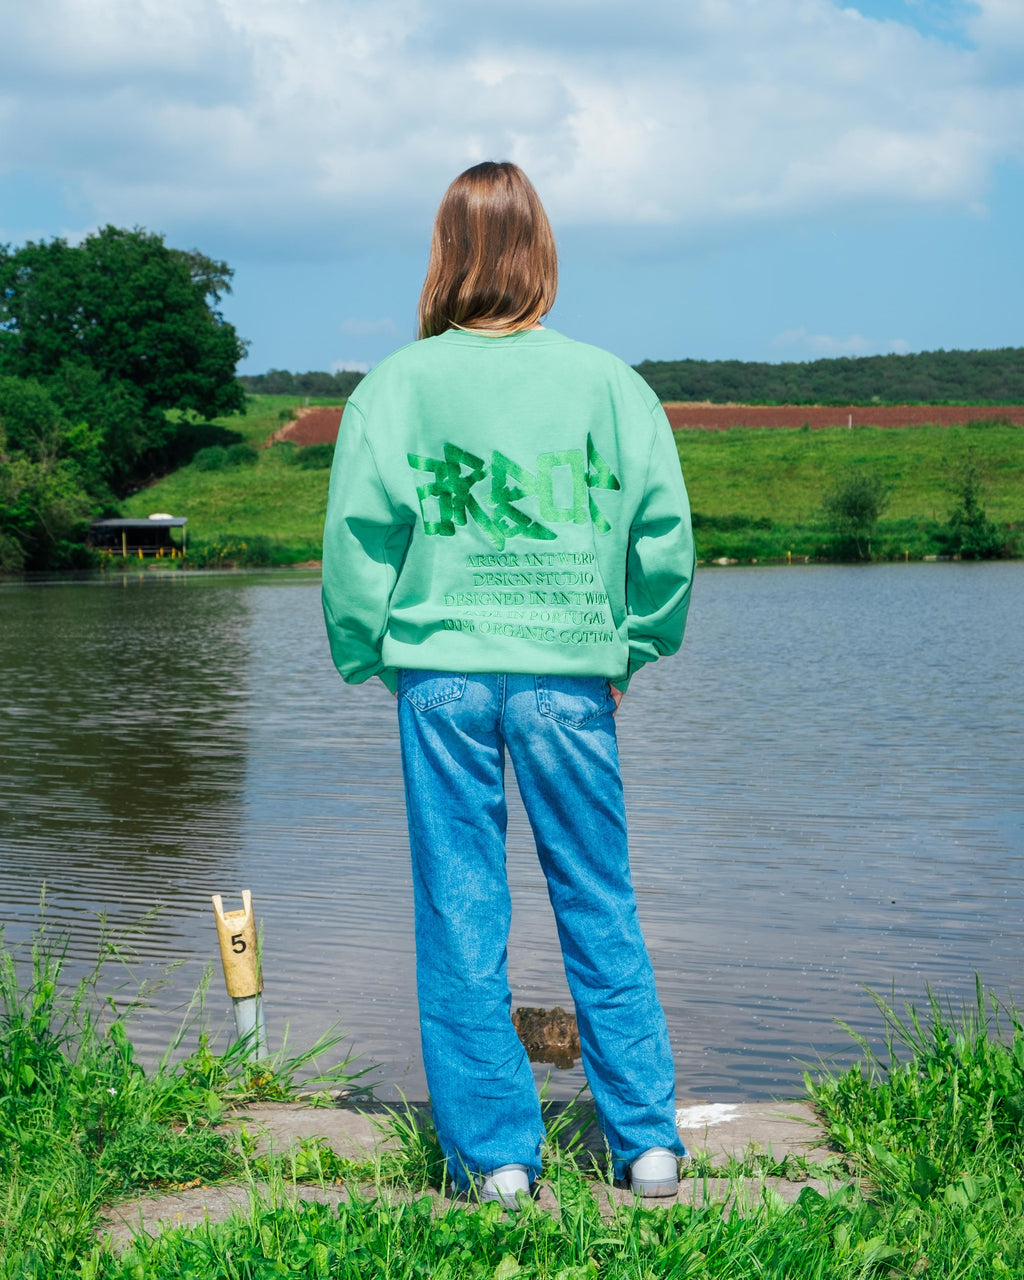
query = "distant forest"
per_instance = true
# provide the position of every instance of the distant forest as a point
(930, 377)
(279, 382)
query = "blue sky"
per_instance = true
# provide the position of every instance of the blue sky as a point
(751, 179)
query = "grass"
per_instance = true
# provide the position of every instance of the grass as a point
(936, 1125)
(273, 499)
(270, 513)
(81, 1122)
(359, 1240)
(756, 540)
(931, 1128)
(756, 494)
(782, 475)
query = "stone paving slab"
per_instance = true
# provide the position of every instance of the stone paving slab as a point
(725, 1130)
(152, 1215)
(719, 1132)
(350, 1133)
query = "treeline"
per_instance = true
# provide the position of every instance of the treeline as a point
(929, 377)
(279, 382)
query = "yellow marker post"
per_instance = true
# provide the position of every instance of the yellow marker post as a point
(236, 933)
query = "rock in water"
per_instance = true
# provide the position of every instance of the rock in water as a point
(548, 1035)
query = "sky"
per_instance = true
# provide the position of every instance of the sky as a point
(727, 179)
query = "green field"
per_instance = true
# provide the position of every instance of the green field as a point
(756, 494)
(782, 474)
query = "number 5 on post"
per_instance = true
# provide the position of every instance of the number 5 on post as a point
(236, 932)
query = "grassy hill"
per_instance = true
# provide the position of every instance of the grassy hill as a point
(755, 493)
(269, 512)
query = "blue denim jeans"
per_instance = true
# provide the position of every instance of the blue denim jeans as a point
(560, 735)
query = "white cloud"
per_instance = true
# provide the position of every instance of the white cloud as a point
(997, 27)
(998, 23)
(298, 125)
(350, 366)
(800, 343)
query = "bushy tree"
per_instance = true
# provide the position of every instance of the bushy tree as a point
(44, 510)
(34, 426)
(969, 533)
(51, 481)
(853, 506)
(120, 329)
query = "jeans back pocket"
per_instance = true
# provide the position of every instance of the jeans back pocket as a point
(573, 700)
(429, 689)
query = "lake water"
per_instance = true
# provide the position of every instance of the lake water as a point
(824, 788)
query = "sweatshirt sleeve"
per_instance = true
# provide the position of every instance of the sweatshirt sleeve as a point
(365, 540)
(659, 571)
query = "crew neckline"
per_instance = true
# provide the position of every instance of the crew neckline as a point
(528, 337)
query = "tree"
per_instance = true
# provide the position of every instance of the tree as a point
(120, 329)
(33, 425)
(43, 513)
(852, 507)
(969, 533)
(46, 466)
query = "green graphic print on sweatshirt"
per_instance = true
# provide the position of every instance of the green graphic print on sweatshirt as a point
(505, 504)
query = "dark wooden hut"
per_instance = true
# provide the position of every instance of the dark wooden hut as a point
(150, 537)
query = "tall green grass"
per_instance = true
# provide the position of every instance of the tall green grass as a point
(763, 541)
(268, 512)
(377, 1239)
(932, 1130)
(928, 1132)
(81, 1121)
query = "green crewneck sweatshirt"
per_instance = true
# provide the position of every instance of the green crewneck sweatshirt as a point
(505, 504)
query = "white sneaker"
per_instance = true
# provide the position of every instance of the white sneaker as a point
(655, 1173)
(504, 1184)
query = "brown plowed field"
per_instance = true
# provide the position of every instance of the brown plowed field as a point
(319, 424)
(717, 417)
(316, 425)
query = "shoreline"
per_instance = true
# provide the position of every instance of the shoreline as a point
(179, 569)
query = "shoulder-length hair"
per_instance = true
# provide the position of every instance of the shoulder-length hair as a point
(493, 263)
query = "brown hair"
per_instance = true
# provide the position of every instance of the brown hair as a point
(493, 263)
